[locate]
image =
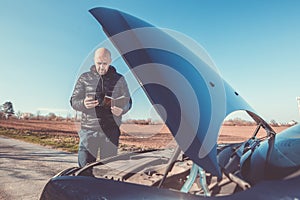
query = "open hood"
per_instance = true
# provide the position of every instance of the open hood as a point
(194, 99)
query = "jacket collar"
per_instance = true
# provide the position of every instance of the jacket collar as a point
(111, 70)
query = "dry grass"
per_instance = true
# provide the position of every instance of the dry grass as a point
(63, 134)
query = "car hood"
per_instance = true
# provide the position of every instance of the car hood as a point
(185, 87)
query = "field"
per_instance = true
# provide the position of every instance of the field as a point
(63, 135)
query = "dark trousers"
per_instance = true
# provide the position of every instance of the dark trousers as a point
(91, 141)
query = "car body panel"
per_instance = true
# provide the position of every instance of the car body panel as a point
(80, 187)
(195, 98)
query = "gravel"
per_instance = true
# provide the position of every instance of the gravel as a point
(25, 168)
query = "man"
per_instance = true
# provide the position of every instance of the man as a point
(100, 123)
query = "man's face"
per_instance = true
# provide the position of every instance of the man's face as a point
(102, 63)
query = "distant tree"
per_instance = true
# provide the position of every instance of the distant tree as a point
(38, 114)
(25, 115)
(19, 114)
(274, 123)
(51, 116)
(2, 115)
(8, 110)
(68, 117)
(58, 118)
(76, 115)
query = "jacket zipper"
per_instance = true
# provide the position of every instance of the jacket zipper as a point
(102, 83)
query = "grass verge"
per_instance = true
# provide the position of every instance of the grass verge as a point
(63, 142)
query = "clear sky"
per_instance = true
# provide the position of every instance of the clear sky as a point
(255, 44)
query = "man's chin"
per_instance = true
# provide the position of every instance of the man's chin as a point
(102, 73)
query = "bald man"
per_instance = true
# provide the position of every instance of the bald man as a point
(99, 122)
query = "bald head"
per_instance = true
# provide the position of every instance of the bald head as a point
(102, 52)
(102, 60)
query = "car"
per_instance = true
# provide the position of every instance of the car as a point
(194, 101)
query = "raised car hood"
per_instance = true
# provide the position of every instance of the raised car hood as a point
(194, 98)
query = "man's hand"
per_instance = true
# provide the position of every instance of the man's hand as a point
(89, 102)
(116, 110)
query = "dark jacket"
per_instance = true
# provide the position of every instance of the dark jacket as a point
(111, 84)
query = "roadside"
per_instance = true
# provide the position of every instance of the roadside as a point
(63, 134)
(25, 168)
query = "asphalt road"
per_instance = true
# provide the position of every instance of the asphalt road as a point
(25, 168)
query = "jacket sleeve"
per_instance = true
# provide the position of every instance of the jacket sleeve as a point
(126, 93)
(78, 95)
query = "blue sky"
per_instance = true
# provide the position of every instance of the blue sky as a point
(255, 44)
